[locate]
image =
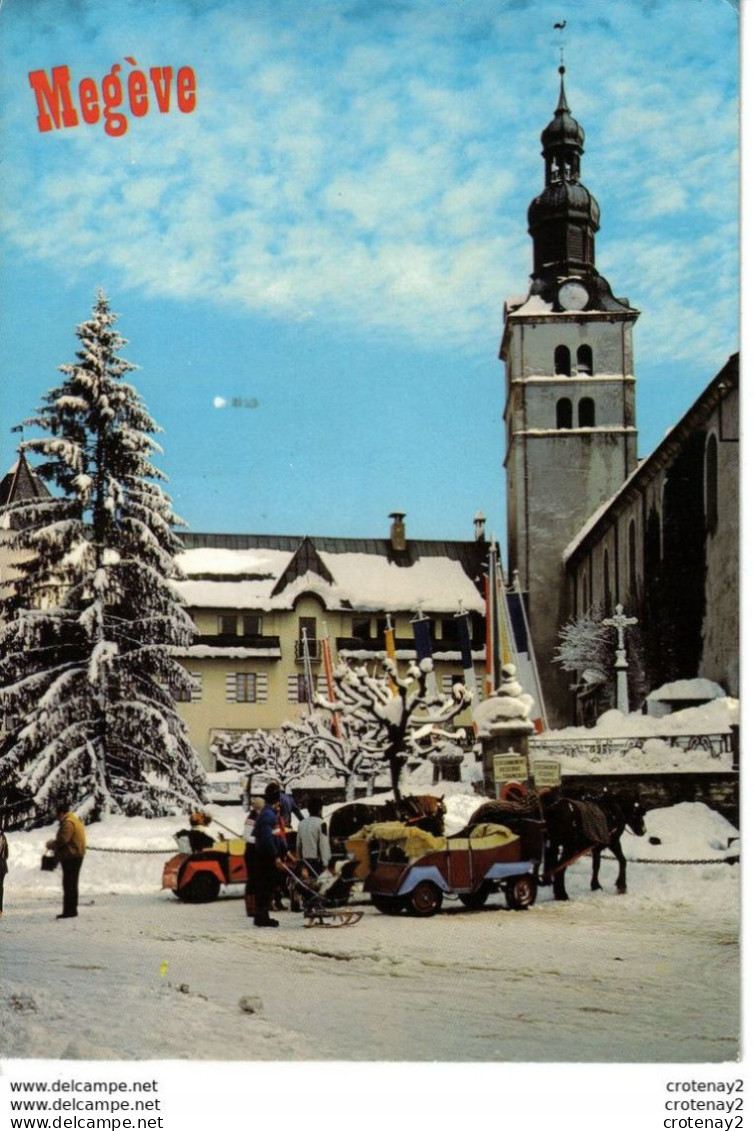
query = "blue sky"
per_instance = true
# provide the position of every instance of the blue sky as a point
(329, 238)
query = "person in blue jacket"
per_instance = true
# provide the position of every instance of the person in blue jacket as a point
(270, 850)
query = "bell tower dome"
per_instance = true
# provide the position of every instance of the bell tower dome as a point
(564, 218)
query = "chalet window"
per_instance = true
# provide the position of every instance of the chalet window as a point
(246, 687)
(562, 361)
(632, 557)
(297, 687)
(584, 363)
(448, 629)
(193, 694)
(564, 413)
(307, 630)
(584, 594)
(252, 624)
(226, 624)
(586, 412)
(710, 484)
(361, 628)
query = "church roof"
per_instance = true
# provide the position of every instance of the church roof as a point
(21, 485)
(718, 388)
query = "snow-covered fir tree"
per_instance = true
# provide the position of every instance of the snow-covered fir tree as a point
(91, 626)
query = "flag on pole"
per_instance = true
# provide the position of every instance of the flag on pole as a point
(308, 674)
(390, 649)
(421, 626)
(524, 658)
(463, 635)
(493, 650)
(327, 661)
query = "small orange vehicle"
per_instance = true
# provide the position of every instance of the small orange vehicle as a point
(197, 877)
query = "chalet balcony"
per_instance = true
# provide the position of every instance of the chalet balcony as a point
(264, 645)
(313, 647)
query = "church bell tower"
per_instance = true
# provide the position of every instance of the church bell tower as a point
(569, 410)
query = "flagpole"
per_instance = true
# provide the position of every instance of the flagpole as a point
(530, 644)
(327, 660)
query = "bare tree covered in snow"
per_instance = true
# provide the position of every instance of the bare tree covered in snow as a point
(402, 716)
(277, 755)
(89, 632)
(585, 646)
(352, 754)
(298, 748)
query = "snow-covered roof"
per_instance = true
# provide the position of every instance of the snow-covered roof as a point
(686, 690)
(356, 574)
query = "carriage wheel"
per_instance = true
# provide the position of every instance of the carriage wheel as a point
(521, 893)
(475, 899)
(388, 904)
(203, 888)
(425, 899)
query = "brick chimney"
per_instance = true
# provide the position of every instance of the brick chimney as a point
(398, 530)
(479, 532)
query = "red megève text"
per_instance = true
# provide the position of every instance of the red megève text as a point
(113, 98)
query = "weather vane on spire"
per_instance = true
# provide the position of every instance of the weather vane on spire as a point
(561, 28)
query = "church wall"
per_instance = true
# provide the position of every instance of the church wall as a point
(720, 630)
(687, 584)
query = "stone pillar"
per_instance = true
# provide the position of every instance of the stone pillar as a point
(512, 740)
(446, 764)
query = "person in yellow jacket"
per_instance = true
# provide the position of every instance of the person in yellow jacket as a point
(69, 846)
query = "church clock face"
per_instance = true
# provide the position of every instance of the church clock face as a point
(573, 295)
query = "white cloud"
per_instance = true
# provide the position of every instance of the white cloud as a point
(386, 180)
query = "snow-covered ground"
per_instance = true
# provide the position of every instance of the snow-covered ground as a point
(652, 976)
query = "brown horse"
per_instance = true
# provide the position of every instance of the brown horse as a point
(424, 811)
(592, 824)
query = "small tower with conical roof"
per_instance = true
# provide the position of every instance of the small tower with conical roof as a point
(569, 408)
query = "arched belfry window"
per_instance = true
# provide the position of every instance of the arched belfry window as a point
(584, 363)
(564, 413)
(562, 361)
(710, 483)
(586, 412)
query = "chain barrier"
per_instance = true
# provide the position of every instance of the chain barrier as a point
(647, 860)
(133, 851)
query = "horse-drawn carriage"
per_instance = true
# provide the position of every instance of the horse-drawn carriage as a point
(511, 845)
(413, 870)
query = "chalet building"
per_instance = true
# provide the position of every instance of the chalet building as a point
(588, 526)
(263, 604)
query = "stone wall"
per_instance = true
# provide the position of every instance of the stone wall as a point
(719, 790)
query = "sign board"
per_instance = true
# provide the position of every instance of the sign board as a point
(545, 773)
(509, 767)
